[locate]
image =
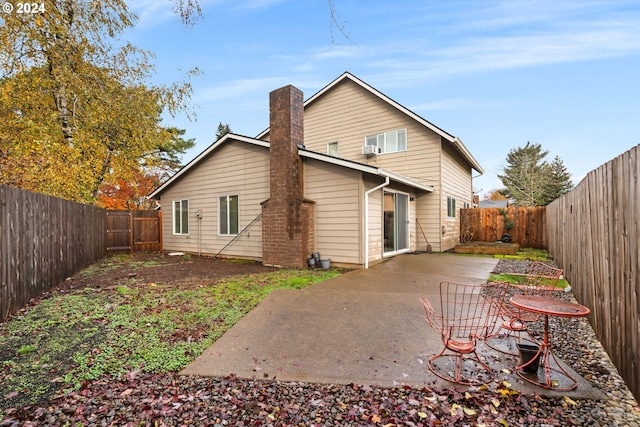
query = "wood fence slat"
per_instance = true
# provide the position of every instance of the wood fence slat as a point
(489, 224)
(598, 248)
(43, 240)
(134, 231)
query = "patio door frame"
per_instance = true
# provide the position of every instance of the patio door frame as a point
(398, 222)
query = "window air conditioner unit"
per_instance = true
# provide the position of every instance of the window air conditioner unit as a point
(370, 150)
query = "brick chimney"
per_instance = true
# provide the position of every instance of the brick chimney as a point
(288, 221)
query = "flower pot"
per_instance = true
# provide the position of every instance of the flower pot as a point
(527, 353)
(325, 263)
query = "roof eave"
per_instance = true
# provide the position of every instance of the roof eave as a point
(364, 168)
(467, 155)
(205, 153)
(404, 180)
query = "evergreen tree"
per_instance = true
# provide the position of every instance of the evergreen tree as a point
(531, 181)
(223, 129)
(560, 182)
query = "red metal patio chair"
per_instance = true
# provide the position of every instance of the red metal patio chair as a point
(542, 280)
(466, 313)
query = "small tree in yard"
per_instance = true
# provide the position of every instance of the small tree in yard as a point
(530, 180)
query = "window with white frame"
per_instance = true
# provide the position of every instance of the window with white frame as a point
(332, 149)
(389, 142)
(451, 207)
(181, 217)
(228, 215)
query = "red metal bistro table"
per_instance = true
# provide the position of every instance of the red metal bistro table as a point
(548, 306)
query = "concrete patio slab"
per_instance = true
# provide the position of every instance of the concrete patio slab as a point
(364, 327)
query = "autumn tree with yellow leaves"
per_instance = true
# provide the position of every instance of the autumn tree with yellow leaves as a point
(76, 111)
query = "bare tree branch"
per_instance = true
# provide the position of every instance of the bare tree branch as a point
(334, 22)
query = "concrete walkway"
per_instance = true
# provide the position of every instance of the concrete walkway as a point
(364, 327)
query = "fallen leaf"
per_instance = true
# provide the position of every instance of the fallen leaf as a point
(422, 415)
(469, 411)
(495, 402)
(570, 401)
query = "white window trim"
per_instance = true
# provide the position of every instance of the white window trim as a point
(228, 213)
(408, 231)
(451, 207)
(381, 139)
(173, 213)
(337, 149)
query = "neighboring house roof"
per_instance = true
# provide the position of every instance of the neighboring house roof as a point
(494, 203)
(303, 153)
(454, 140)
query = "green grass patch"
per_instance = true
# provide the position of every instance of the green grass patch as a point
(114, 263)
(240, 261)
(88, 334)
(529, 254)
(520, 279)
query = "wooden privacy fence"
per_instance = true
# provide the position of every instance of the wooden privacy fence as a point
(594, 235)
(43, 240)
(134, 231)
(526, 225)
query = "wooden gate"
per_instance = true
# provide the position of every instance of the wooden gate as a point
(134, 231)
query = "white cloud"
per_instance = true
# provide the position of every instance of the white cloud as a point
(152, 12)
(239, 89)
(596, 41)
(449, 104)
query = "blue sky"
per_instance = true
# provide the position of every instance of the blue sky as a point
(564, 74)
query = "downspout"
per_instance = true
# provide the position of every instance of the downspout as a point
(366, 219)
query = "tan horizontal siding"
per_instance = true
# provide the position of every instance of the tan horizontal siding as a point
(376, 247)
(456, 183)
(348, 113)
(337, 210)
(236, 168)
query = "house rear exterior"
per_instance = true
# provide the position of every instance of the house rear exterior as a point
(349, 173)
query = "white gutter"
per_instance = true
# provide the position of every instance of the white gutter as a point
(366, 219)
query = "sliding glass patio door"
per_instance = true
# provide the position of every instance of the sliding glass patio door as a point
(396, 222)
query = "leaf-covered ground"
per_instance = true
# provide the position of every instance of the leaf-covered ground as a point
(173, 400)
(126, 313)
(104, 348)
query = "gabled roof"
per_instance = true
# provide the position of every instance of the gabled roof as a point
(302, 152)
(203, 155)
(454, 140)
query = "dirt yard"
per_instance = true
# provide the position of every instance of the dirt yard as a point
(161, 269)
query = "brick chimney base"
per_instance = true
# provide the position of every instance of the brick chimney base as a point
(288, 232)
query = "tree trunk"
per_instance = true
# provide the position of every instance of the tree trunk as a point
(60, 65)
